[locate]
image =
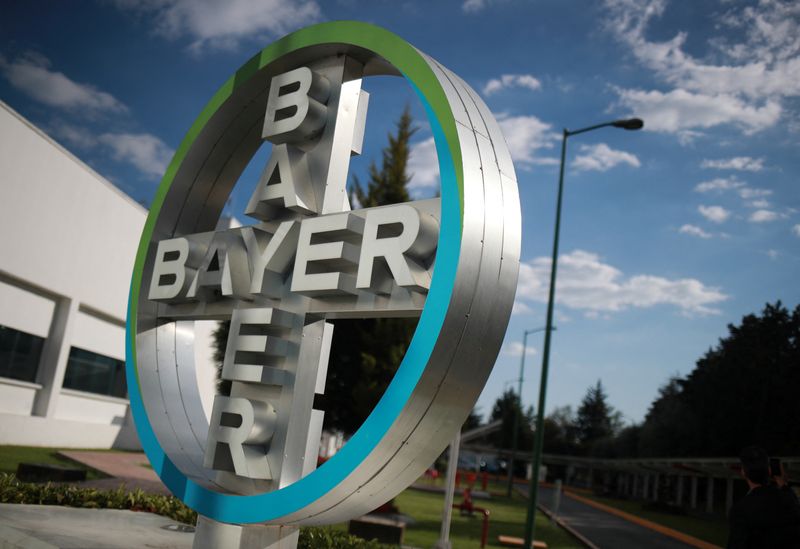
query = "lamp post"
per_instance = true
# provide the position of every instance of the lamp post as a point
(625, 124)
(515, 431)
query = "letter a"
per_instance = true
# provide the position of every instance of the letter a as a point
(285, 183)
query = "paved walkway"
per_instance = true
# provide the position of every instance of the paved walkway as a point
(604, 530)
(53, 527)
(130, 469)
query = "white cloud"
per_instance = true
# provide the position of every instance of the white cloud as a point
(512, 80)
(520, 308)
(526, 136)
(32, 74)
(717, 214)
(743, 163)
(678, 111)
(423, 165)
(796, 230)
(515, 349)
(719, 184)
(752, 76)
(761, 203)
(601, 157)
(145, 152)
(223, 25)
(474, 6)
(773, 254)
(586, 283)
(753, 192)
(763, 216)
(694, 231)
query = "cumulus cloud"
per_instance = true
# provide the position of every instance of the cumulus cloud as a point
(474, 6)
(751, 77)
(526, 137)
(423, 166)
(719, 184)
(223, 25)
(679, 110)
(763, 216)
(717, 214)
(512, 81)
(586, 283)
(796, 230)
(515, 349)
(146, 152)
(694, 231)
(32, 74)
(742, 163)
(601, 157)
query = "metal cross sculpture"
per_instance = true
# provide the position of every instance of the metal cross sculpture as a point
(308, 258)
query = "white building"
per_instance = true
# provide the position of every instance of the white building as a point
(68, 243)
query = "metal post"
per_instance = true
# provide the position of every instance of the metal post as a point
(515, 432)
(710, 495)
(447, 512)
(679, 490)
(630, 124)
(548, 332)
(693, 495)
(728, 495)
(556, 497)
(655, 487)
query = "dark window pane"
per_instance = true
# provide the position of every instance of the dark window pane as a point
(94, 373)
(19, 354)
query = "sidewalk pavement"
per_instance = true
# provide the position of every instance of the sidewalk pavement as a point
(54, 527)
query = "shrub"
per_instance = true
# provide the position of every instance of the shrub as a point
(14, 491)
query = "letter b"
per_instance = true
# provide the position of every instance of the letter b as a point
(296, 109)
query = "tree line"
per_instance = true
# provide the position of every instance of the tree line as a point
(743, 391)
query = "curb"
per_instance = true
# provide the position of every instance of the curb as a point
(570, 530)
(680, 536)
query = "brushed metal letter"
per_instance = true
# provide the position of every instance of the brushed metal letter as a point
(239, 428)
(284, 183)
(332, 258)
(403, 253)
(169, 270)
(270, 256)
(296, 108)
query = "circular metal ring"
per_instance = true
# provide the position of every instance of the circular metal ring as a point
(460, 329)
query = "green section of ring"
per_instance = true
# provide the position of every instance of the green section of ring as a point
(391, 47)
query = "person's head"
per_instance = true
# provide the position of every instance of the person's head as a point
(755, 464)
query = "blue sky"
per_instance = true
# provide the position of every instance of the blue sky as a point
(668, 234)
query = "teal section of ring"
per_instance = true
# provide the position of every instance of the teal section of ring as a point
(272, 506)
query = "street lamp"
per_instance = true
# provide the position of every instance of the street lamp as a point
(515, 432)
(625, 124)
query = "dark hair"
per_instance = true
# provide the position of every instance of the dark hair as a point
(755, 464)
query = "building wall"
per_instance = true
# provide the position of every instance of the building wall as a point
(66, 257)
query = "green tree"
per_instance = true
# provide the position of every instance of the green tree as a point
(743, 391)
(560, 432)
(596, 419)
(505, 408)
(366, 353)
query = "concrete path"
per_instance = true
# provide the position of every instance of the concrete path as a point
(54, 527)
(130, 469)
(604, 530)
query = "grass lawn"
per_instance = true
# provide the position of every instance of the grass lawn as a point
(711, 529)
(12, 456)
(507, 517)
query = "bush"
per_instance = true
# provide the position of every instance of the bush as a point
(14, 491)
(326, 538)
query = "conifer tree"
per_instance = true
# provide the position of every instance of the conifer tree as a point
(366, 353)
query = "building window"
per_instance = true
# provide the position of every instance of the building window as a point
(93, 373)
(19, 354)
